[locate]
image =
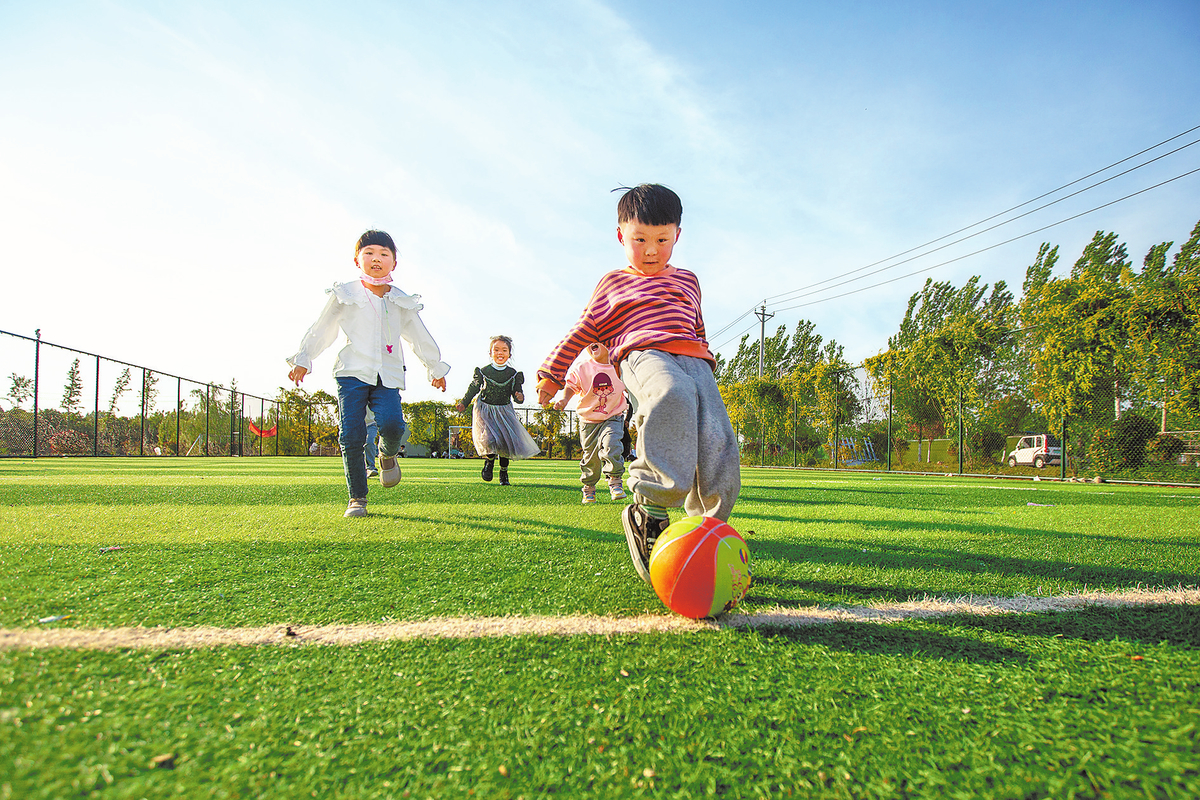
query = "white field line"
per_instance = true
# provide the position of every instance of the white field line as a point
(476, 627)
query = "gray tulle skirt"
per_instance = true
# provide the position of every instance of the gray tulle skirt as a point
(497, 430)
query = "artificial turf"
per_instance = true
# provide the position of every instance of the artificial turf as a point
(1089, 703)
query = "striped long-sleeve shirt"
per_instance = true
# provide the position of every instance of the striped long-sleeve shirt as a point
(629, 311)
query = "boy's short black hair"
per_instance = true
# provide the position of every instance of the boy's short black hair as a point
(650, 204)
(377, 238)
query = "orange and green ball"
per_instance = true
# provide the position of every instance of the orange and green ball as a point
(700, 567)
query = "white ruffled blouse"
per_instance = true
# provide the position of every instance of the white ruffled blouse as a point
(373, 327)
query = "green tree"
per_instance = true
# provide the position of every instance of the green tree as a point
(304, 419)
(149, 390)
(1076, 337)
(429, 424)
(782, 355)
(73, 392)
(1162, 320)
(800, 392)
(20, 389)
(119, 389)
(953, 352)
(549, 429)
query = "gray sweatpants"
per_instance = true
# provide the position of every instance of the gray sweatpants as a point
(602, 450)
(687, 453)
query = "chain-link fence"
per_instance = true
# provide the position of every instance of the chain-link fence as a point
(439, 430)
(63, 401)
(66, 402)
(855, 420)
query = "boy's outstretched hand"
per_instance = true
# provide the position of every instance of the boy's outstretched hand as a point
(296, 374)
(545, 396)
(439, 383)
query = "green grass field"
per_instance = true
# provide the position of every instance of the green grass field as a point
(1096, 702)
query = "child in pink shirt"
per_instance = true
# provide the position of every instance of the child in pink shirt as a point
(602, 414)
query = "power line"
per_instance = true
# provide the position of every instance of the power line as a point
(740, 317)
(804, 291)
(735, 338)
(989, 247)
(800, 292)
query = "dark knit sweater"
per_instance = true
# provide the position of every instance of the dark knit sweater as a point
(494, 386)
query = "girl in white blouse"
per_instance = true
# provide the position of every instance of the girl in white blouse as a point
(374, 316)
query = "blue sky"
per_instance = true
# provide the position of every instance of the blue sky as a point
(181, 181)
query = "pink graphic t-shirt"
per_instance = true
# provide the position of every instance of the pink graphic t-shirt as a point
(600, 392)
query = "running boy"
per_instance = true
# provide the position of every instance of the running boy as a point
(649, 316)
(374, 315)
(602, 414)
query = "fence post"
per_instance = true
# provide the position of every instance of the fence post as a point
(960, 428)
(1062, 462)
(889, 429)
(795, 455)
(837, 416)
(96, 414)
(232, 417)
(142, 443)
(207, 413)
(37, 360)
(178, 412)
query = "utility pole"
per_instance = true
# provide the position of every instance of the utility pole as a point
(763, 316)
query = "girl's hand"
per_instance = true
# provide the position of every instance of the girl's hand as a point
(459, 407)
(519, 397)
(560, 405)
(439, 383)
(545, 396)
(297, 374)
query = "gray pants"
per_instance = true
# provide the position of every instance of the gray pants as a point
(687, 453)
(601, 442)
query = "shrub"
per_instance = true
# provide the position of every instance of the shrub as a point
(877, 434)
(1132, 432)
(70, 442)
(1103, 452)
(983, 444)
(1165, 448)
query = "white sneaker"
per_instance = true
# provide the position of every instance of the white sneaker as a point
(389, 471)
(356, 508)
(615, 490)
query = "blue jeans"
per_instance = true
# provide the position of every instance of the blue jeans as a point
(372, 451)
(354, 397)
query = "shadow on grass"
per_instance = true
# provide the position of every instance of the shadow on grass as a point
(480, 526)
(877, 639)
(898, 557)
(973, 531)
(1175, 625)
(287, 492)
(934, 497)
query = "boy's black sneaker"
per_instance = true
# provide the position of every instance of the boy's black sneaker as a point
(641, 532)
(488, 465)
(504, 478)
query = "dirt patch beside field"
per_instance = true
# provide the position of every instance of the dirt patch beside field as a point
(474, 627)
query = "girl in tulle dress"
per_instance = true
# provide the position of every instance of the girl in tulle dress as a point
(497, 431)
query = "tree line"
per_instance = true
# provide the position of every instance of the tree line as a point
(1104, 341)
